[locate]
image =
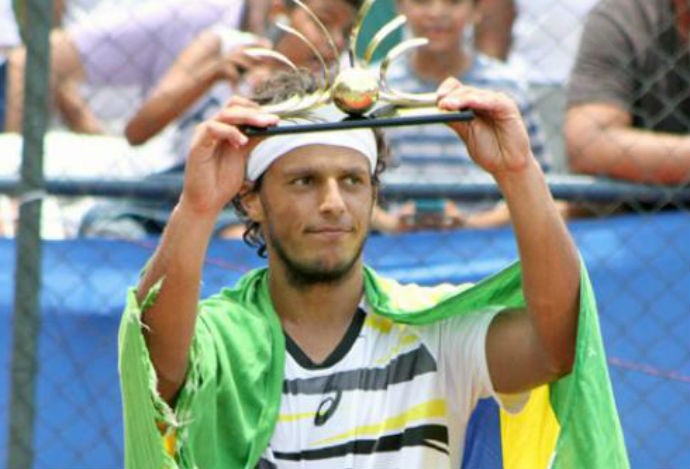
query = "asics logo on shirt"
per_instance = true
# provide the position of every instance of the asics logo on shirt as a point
(327, 408)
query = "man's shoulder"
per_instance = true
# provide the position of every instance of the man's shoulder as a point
(389, 294)
(628, 8)
(635, 17)
(397, 285)
(418, 304)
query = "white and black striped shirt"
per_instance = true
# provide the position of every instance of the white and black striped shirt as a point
(389, 396)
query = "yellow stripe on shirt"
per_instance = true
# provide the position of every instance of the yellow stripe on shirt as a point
(428, 410)
(405, 340)
(379, 323)
(293, 417)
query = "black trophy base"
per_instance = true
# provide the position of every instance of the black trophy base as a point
(386, 116)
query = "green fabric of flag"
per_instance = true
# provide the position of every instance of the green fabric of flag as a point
(237, 364)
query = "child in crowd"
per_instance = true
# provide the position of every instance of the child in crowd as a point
(431, 153)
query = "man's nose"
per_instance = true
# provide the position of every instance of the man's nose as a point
(332, 199)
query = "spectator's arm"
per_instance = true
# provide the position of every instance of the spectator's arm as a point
(384, 221)
(75, 110)
(199, 66)
(65, 66)
(187, 80)
(494, 32)
(498, 215)
(14, 92)
(599, 133)
(601, 141)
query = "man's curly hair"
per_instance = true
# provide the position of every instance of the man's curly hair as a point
(277, 89)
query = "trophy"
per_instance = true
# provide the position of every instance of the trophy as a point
(361, 97)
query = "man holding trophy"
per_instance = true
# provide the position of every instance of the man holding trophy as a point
(318, 362)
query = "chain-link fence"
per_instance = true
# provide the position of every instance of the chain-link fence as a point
(99, 112)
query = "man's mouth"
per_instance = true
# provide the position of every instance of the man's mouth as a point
(329, 230)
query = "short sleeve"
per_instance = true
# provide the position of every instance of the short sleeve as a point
(601, 72)
(462, 346)
(134, 47)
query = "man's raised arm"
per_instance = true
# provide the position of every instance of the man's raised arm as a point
(523, 350)
(214, 174)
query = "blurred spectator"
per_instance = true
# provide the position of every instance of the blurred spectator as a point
(118, 46)
(256, 15)
(215, 67)
(9, 38)
(493, 31)
(21, 13)
(546, 34)
(431, 153)
(629, 94)
(121, 43)
(205, 75)
(9, 32)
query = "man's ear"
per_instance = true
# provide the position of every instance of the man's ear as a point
(251, 202)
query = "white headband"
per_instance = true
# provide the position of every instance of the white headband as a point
(272, 148)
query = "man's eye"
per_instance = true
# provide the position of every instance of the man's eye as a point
(302, 181)
(353, 180)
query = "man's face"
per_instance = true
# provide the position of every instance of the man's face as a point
(441, 21)
(336, 15)
(314, 208)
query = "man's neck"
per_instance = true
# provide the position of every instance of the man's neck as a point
(316, 316)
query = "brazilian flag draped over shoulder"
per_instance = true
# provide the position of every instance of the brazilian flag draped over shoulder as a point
(569, 424)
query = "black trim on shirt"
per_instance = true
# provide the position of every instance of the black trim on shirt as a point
(265, 464)
(403, 368)
(432, 436)
(337, 354)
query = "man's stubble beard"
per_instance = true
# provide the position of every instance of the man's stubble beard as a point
(308, 274)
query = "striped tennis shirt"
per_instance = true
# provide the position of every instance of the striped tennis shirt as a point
(389, 396)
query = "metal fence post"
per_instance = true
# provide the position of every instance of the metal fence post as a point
(26, 322)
